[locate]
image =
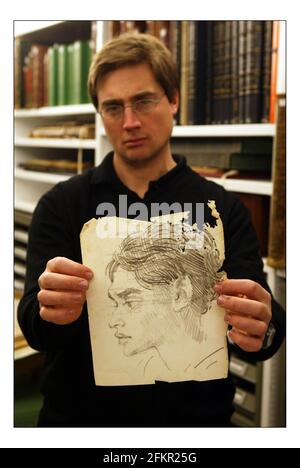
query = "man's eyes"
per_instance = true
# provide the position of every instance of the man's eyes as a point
(113, 108)
(132, 304)
(118, 107)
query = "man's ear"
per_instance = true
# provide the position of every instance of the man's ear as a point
(182, 293)
(175, 103)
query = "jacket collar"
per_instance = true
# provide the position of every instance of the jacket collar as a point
(105, 172)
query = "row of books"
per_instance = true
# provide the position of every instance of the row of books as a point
(227, 69)
(51, 75)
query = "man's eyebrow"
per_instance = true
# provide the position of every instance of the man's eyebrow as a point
(144, 94)
(127, 292)
(140, 95)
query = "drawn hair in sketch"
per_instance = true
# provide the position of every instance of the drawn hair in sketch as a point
(165, 252)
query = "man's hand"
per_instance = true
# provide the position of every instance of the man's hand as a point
(248, 311)
(63, 287)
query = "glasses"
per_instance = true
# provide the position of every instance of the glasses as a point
(141, 106)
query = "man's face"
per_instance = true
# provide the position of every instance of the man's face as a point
(141, 318)
(137, 138)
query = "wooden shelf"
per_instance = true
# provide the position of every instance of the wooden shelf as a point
(25, 206)
(216, 131)
(22, 353)
(54, 111)
(241, 130)
(75, 143)
(259, 187)
(38, 176)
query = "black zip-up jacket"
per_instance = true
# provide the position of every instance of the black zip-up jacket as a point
(71, 397)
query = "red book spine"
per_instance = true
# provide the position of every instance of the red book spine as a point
(274, 66)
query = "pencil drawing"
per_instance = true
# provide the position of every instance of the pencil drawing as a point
(161, 286)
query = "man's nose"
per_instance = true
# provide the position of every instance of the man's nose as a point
(116, 321)
(130, 119)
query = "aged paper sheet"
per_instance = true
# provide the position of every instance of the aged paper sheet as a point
(152, 310)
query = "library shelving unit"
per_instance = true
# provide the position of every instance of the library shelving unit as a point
(253, 408)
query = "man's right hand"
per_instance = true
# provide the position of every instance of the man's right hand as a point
(63, 287)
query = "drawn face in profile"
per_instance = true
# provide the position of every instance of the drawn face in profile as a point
(142, 318)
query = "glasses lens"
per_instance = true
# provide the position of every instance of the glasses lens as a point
(112, 112)
(145, 105)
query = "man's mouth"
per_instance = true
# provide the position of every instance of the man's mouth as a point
(122, 338)
(135, 142)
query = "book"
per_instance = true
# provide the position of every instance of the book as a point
(217, 172)
(54, 166)
(274, 66)
(65, 130)
(21, 50)
(277, 239)
(62, 79)
(52, 85)
(37, 53)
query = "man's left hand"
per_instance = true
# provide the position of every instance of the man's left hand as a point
(248, 311)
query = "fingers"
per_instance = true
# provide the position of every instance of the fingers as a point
(63, 287)
(49, 280)
(248, 325)
(60, 315)
(247, 307)
(248, 311)
(59, 298)
(245, 342)
(68, 267)
(249, 288)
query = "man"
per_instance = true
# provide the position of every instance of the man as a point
(161, 286)
(133, 85)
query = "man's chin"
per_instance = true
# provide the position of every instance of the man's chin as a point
(129, 351)
(137, 159)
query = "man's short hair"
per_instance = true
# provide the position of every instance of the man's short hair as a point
(134, 49)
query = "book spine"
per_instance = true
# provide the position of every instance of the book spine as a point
(192, 70)
(201, 72)
(28, 84)
(38, 79)
(253, 71)
(234, 73)
(52, 75)
(266, 72)
(241, 73)
(227, 96)
(209, 73)
(184, 72)
(71, 97)
(62, 81)
(276, 253)
(274, 66)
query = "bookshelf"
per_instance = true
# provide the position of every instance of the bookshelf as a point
(31, 185)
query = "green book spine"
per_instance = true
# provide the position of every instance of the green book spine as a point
(53, 75)
(71, 76)
(80, 66)
(62, 75)
(87, 63)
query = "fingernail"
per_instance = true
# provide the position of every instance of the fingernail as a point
(227, 318)
(89, 275)
(83, 284)
(221, 300)
(218, 287)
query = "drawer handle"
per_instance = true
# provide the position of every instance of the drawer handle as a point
(238, 368)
